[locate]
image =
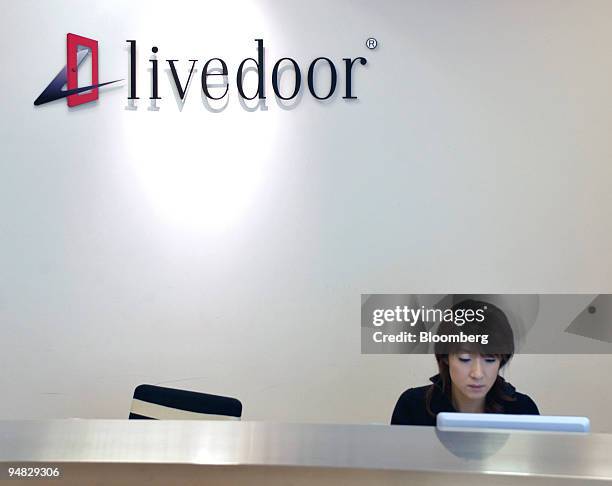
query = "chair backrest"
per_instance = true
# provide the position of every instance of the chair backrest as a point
(160, 403)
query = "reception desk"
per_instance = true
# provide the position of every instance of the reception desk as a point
(265, 453)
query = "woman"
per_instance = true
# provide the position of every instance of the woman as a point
(468, 379)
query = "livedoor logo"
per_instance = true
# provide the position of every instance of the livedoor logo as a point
(338, 76)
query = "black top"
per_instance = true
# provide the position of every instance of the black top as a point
(412, 410)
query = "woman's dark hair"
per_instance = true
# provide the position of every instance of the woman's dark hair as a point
(499, 343)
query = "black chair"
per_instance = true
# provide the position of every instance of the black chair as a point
(160, 403)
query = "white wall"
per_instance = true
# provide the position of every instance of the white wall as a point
(227, 252)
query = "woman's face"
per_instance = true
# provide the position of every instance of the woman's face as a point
(473, 374)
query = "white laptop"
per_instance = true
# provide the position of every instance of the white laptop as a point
(448, 420)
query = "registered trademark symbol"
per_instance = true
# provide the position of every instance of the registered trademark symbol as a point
(371, 43)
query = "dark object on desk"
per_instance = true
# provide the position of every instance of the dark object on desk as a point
(160, 403)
